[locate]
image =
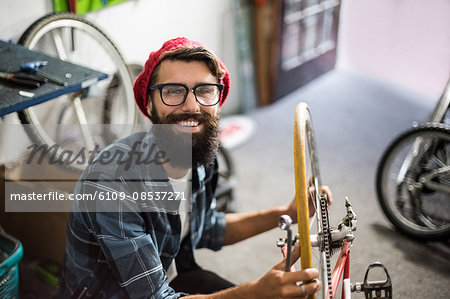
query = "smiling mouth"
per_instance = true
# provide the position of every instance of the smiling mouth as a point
(189, 124)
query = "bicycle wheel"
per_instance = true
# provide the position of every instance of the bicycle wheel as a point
(226, 181)
(413, 182)
(94, 116)
(307, 182)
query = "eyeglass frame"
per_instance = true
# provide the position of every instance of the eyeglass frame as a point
(162, 85)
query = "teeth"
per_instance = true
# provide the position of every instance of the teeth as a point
(188, 123)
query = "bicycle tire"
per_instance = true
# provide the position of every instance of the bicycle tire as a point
(113, 92)
(307, 182)
(65, 32)
(226, 181)
(406, 199)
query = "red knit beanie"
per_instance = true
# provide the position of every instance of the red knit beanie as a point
(141, 84)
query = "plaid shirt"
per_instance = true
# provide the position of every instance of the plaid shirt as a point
(125, 250)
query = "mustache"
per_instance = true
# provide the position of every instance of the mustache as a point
(174, 118)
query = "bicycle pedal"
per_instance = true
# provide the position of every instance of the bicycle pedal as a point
(375, 289)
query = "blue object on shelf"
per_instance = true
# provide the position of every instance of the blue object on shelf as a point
(9, 267)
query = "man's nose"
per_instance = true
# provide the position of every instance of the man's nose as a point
(191, 103)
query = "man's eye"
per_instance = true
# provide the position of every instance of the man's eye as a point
(174, 91)
(205, 90)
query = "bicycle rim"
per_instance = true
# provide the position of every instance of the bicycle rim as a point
(226, 180)
(307, 181)
(413, 182)
(57, 121)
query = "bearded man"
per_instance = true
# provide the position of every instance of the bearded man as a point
(138, 240)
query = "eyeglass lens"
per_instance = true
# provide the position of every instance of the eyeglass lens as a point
(206, 94)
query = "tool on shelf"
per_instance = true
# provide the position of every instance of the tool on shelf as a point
(33, 67)
(27, 80)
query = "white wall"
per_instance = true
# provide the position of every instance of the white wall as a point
(404, 41)
(17, 15)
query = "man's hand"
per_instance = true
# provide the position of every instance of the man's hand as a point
(240, 226)
(292, 208)
(275, 284)
(280, 284)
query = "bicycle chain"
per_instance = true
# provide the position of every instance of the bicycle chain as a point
(326, 239)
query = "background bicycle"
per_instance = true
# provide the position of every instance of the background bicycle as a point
(413, 178)
(96, 115)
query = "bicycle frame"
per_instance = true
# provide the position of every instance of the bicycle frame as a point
(342, 269)
(418, 149)
(438, 117)
(343, 233)
(413, 159)
(443, 105)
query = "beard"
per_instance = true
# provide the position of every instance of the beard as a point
(184, 150)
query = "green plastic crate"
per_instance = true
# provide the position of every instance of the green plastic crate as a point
(12, 252)
(84, 6)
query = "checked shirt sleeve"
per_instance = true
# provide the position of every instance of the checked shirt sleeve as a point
(214, 230)
(213, 224)
(127, 246)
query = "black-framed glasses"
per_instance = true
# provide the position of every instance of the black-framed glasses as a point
(175, 94)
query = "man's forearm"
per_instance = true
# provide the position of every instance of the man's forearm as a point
(276, 283)
(240, 226)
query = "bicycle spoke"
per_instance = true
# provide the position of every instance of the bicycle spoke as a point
(59, 45)
(82, 121)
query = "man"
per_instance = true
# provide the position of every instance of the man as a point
(139, 246)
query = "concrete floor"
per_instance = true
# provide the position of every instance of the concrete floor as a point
(355, 117)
